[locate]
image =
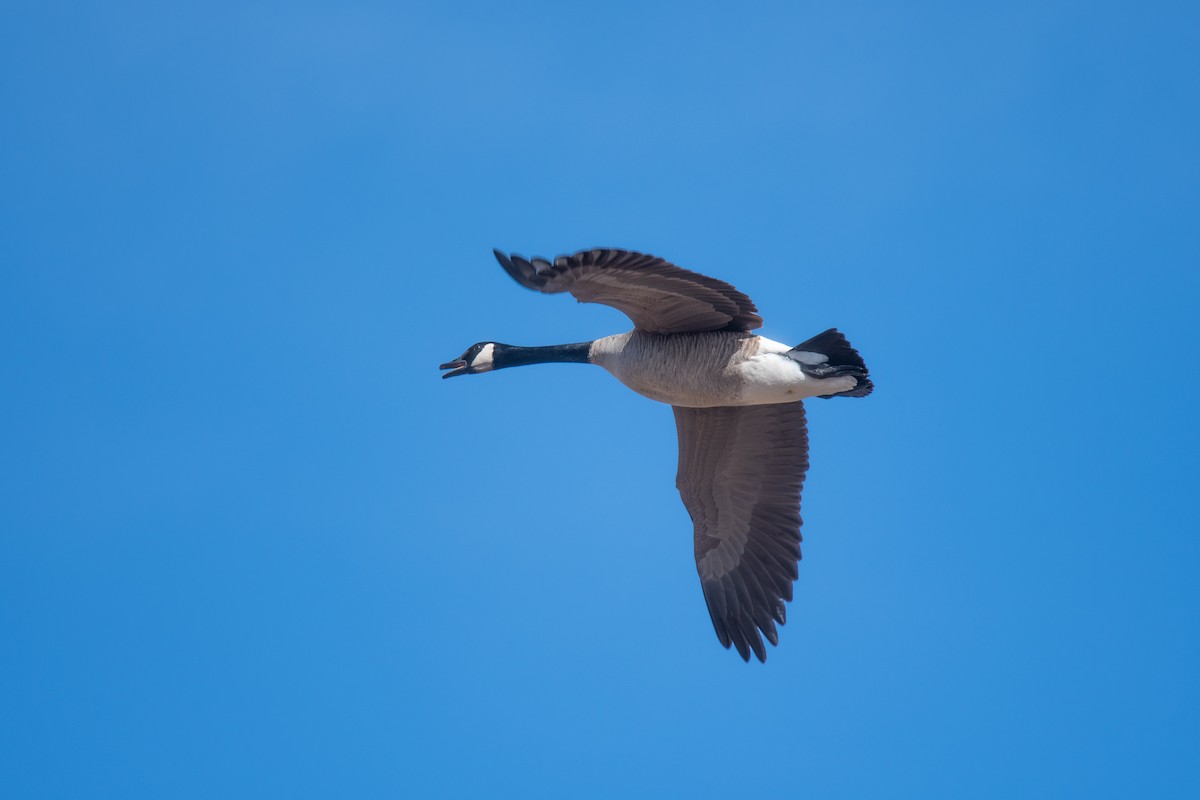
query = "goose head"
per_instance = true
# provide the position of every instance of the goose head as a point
(480, 357)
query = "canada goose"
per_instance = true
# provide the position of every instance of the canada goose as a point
(743, 446)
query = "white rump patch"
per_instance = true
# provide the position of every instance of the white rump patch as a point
(808, 357)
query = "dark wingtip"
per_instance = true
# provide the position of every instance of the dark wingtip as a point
(519, 269)
(756, 644)
(771, 634)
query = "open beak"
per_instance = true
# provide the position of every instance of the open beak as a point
(457, 367)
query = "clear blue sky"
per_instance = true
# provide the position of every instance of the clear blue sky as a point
(252, 546)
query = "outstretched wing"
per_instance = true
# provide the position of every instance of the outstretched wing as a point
(658, 296)
(741, 470)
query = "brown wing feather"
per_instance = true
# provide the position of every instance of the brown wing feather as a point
(658, 296)
(741, 471)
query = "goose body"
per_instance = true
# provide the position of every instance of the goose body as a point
(743, 442)
(705, 370)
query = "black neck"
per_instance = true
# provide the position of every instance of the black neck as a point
(508, 355)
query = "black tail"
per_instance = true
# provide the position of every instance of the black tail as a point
(829, 355)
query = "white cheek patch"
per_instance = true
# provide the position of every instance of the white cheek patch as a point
(483, 361)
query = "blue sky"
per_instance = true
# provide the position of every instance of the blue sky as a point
(252, 546)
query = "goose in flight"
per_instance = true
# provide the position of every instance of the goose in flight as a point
(743, 444)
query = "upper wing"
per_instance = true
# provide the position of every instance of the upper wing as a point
(741, 470)
(658, 296)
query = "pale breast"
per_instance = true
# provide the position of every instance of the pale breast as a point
(697, 370)
(701, 370)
